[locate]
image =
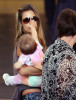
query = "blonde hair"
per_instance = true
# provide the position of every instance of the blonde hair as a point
(19, 29)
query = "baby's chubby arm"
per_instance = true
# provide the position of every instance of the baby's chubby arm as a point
(18, 65)
(21, 61)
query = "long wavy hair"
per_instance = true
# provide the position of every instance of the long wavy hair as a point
(19, 28)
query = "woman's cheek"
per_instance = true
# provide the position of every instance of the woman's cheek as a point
(26, 28)
(36, 25)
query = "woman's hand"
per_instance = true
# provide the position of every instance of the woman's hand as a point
(34, 33)
(38, 65)
(32, 30)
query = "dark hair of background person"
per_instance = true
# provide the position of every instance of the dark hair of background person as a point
(66, 23)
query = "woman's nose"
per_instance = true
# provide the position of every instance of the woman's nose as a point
(31, 21)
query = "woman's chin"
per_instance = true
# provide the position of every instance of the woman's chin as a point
(27, 31)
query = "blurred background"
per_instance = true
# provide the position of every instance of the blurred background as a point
(48, 10)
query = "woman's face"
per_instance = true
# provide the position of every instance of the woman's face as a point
(26, 22)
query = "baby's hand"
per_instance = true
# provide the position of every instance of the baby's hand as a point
(18, 65)
(41, 56)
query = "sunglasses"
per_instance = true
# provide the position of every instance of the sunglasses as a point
(27, 19)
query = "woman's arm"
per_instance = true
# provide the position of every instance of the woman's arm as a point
(29, 70)
(38, 65)
(33, 31)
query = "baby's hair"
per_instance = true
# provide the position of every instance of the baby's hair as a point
(27, 44)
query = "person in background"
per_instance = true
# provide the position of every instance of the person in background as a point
(28, 22)
(50, 7)
(59, 63)
(61, 5)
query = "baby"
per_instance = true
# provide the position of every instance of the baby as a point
(30, 53)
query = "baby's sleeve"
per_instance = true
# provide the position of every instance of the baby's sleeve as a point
(23, 59)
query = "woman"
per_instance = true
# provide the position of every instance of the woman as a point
(28, 22)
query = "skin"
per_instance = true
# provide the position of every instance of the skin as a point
(32, 23)
(30, 28)
(71, 40)
(22, 71)
(29, 70)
